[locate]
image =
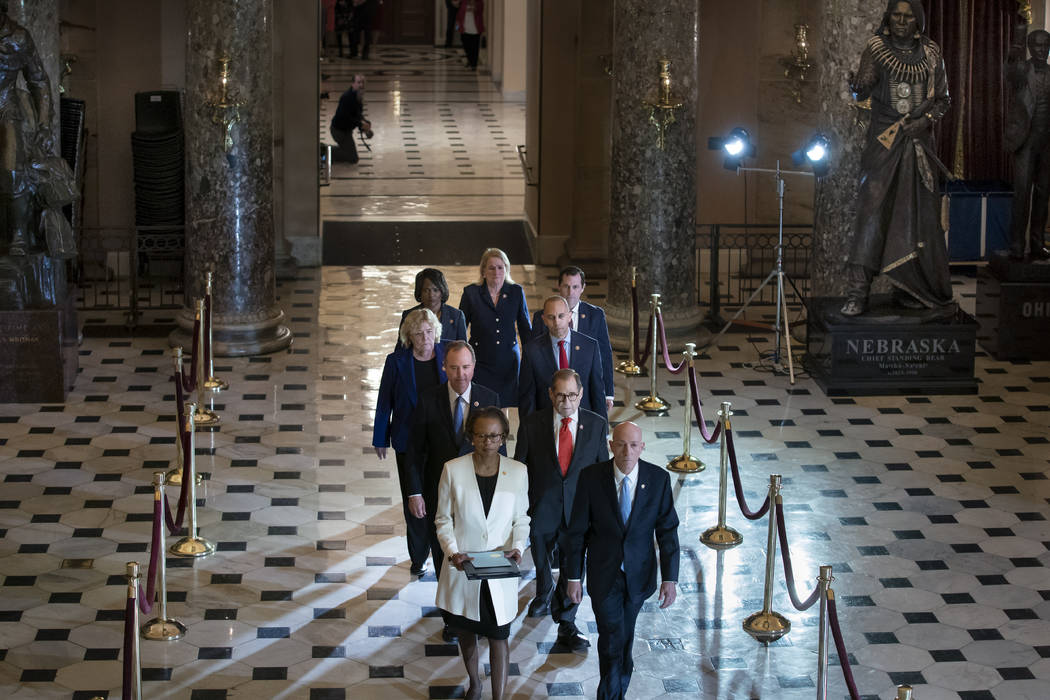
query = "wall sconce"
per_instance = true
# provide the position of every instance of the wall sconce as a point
(227, 110)
(797, 65)
(67, 60)
(661, 109)
(1024, 9)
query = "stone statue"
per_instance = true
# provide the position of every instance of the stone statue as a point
(898, 231)
(34, 182)
(1028, 139)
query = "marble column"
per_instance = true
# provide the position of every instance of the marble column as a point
(229, 176)
(847, 26)
(653, 190)
(40, 18)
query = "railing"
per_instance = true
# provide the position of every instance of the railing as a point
(733, 259)
(130, 269)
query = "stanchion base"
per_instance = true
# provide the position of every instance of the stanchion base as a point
(686, 464)
(163, 630)
(767, 627)
(205, 418)
(214, 384)
(721, 538)
(630, 369)
(192, 547)
(174, 477)
(653, 406)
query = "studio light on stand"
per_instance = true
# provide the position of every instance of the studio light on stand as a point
(816, 153)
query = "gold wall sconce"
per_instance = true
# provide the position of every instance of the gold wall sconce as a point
(662, 107)
(227, 110)
(797, 65)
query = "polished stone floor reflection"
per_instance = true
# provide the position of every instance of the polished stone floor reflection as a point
(932, 510)
(444, 145)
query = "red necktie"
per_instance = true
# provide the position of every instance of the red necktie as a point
(563, 359)
(564, 446)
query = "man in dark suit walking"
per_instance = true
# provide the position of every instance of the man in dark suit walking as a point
(620, 506)
(437, 436)
(559, 348)
(556, 443)
(587, 319)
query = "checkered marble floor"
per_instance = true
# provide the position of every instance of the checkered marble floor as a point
(444, 145)
(932, 511)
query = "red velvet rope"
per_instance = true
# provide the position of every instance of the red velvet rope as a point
(129, 637)
(146, 599)
(663, 344)
(640, 358)
(206, 330)
(189, 383)
(738, 488)
(698, 410)
(840, 649)
(789, 573)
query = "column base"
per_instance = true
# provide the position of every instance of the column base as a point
(681, 327)
(237, 336)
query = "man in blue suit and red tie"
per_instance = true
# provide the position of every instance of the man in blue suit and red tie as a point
(559, 348)
(587, 319)
(621, 506)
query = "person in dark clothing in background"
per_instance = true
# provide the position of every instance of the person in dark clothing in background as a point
(349, 116)
(361, 26)
(470, 21)
(451, 10)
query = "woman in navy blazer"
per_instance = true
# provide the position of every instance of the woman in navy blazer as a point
(432, 293)
(408, 371)
(492, 308)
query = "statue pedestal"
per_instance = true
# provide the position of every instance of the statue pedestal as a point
(1013, 309)
(890, 350)
(38, 354)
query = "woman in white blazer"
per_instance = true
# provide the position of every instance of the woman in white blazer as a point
(483, 501)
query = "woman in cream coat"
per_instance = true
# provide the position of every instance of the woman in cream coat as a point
(483, 501)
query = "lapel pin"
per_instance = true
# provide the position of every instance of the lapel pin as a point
(583, 315)
(577, 347)
(475, 403)
(504, 296)
(643, 486)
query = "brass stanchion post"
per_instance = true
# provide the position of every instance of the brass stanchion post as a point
(685, 463)
(133, 595)
(212, 383)
(904, 692)
(628, 366)
(720, 536)
(768, 625)
(825, 580)
(162, 628)
(174, 475)
(192, 545)
(653, 405)
(203, 417)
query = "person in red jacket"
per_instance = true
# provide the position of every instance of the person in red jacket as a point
(470, 23)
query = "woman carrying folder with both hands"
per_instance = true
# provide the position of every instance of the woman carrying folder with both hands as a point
(483, 501)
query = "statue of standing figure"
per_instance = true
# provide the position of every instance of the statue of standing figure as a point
(898, 231)
(1027, 137)
(34, 182)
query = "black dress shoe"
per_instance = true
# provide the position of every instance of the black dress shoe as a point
(448, 635)
(420, 572)
(573, 640)
(1040, 254)
(539, 607)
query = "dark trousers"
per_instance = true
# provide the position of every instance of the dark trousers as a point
(1031, 188)
(416, 528)
(615, 616)
(471, 45)
(361, 28)
(345, 150)
(435, 546)
(546, 546)
(450, 23)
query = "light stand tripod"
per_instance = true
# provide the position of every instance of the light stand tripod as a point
(777, 272)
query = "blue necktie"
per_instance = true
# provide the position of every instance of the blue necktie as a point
(457, 420)
(625, 499)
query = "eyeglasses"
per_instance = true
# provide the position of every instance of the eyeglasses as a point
(490, 437)
(567, 397)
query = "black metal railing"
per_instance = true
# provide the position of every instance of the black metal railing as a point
(732, 260)
(131, 269)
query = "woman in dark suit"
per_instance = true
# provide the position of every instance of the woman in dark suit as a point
(492, 308)
(409, 371)
(432, 293)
